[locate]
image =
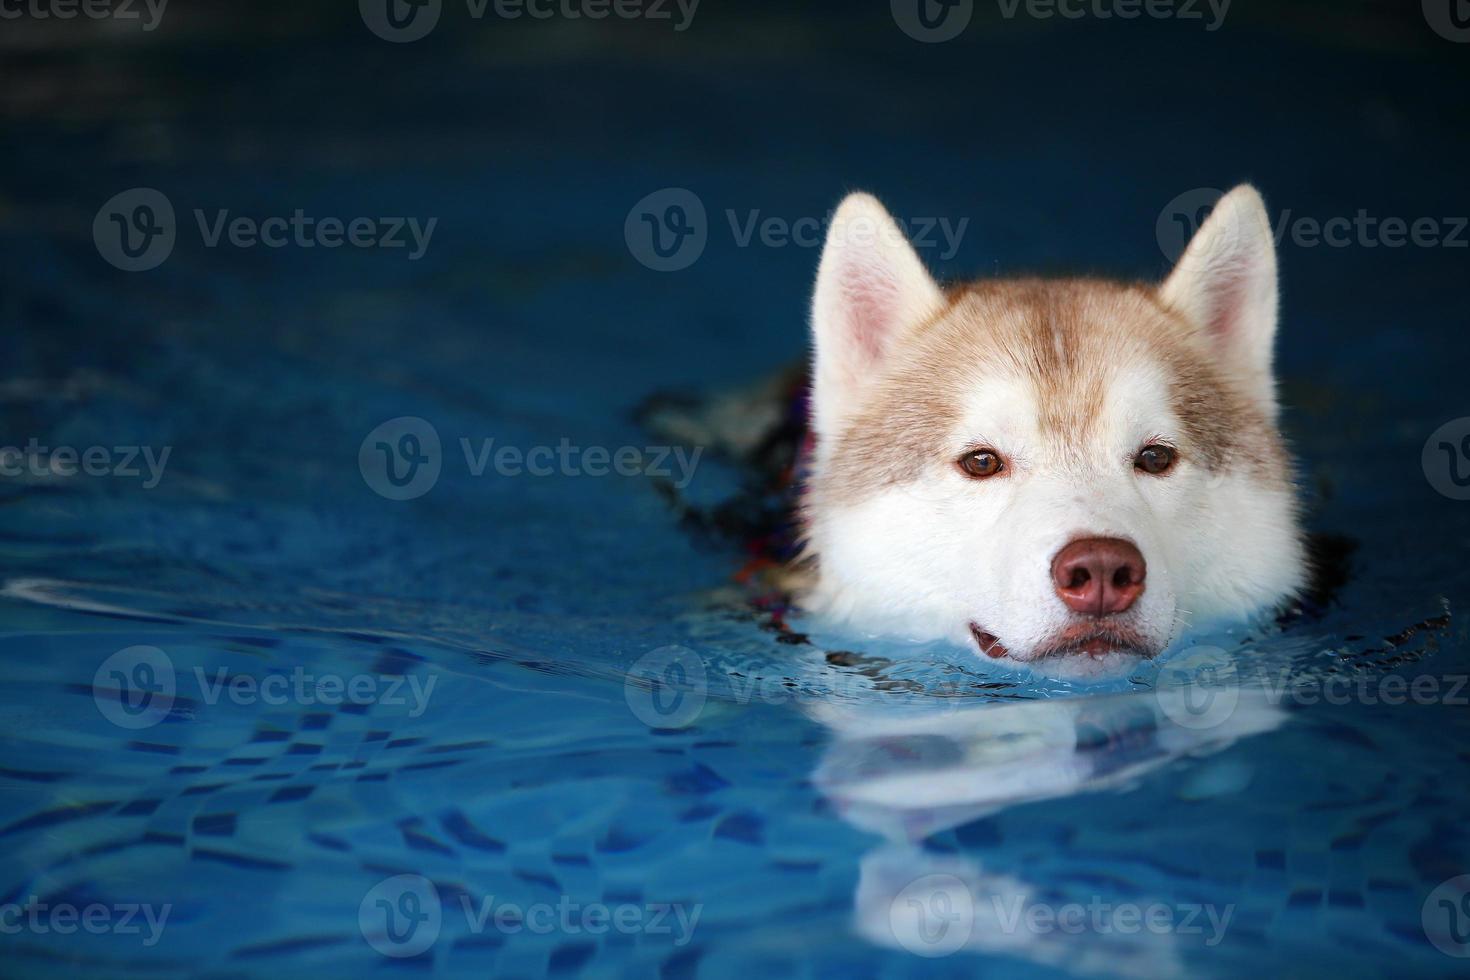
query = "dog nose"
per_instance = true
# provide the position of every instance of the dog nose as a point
(1099, 576)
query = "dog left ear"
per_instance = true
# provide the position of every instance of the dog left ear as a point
(871, 286)
(1226, 283)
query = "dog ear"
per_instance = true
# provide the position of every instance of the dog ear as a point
(871, 286)
(1226, 283)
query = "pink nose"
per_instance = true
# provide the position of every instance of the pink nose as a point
(1099, 576)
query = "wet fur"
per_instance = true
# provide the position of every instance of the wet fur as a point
(1067, 378)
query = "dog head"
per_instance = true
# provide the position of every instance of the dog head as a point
(1067, 471)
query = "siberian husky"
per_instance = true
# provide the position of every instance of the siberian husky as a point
(1066, 473)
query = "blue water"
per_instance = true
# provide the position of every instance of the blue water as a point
(502, 752)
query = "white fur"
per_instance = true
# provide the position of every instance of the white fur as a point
(928, 557)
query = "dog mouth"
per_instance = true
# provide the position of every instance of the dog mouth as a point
(989, 643)
(1093, 639)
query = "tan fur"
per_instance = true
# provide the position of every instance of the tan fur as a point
(1062, 336)
(1067, 380)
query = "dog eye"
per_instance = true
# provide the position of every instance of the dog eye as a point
(982, 463)
(1155, 459)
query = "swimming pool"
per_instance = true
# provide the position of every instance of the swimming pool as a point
(278, 705)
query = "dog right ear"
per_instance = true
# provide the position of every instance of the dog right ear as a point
(1226, 284)
(871, 286)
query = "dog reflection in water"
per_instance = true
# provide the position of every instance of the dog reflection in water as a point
(907, 778)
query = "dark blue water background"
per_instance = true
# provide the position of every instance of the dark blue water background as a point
(528, 778)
